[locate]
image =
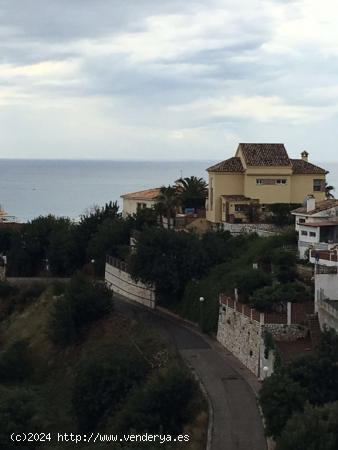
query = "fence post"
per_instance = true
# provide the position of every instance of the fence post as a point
(289, 315)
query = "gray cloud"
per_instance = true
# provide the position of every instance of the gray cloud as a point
(117, 78)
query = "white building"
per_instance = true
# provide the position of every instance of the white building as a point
(317, 225)
(134, 201)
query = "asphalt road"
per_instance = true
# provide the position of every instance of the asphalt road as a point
(237, 424)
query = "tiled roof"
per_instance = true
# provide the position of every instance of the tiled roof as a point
(301, 166)
(321, 223)
(148, 194)
(320, 206)
(265, 154)
(233, 164)
(235, 197)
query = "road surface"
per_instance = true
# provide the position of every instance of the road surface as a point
(237, 424)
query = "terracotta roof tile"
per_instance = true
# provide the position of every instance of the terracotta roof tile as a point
(148, 194)
(320, 206)
(233, 164)
(265, 154)
(301, 166)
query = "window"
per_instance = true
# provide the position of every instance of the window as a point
(313, 234)
(241, 208)
(318, 185)
(270, 181)
(301, 221)
(141, 206)
(304, 233)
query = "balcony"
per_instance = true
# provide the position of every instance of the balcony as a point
(327, 258)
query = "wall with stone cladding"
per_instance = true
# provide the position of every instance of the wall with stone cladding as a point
(241, 336)
(241, 331)
(286, 333)
(121, 282)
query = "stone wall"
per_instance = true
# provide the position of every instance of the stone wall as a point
(241, 330)
(118, 279)
(286, 333)
(262, 229)
(242, 336)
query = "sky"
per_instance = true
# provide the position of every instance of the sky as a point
(150, 79)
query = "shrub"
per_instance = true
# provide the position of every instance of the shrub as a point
(6, 290)
(164, 405)
(19, 412)
(314, 429)
(15, 363)
(83, 303)
(102, 382)
(280, 397)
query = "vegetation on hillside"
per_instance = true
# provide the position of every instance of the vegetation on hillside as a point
(110, 374)
(298, 400)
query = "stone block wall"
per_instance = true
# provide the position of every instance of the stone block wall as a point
(241, 336)
(121, 282)
(241, 330)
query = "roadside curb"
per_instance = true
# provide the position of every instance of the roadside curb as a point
(250, 379)
(210, 406)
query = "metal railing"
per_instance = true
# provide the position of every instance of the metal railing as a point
(118, 263)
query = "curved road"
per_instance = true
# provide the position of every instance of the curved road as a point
(237, 423)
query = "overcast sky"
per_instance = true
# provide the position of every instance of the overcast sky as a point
(167, 79)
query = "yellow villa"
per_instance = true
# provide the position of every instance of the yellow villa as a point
(259, 175)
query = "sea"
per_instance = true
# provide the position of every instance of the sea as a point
(30, 188)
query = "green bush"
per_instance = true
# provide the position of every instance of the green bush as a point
(15, 363)
(83, 303)
(102, 383)
(6, 290)
(163, 405)
(269, 297)
(19, 412)
(311, 378)
(314, 429)
(280, 397)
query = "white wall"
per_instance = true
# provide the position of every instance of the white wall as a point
(130, 205)
(122, 283)
(326, 286)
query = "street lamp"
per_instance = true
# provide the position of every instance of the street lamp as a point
(93, 267)
(265, 372)
(201, 300)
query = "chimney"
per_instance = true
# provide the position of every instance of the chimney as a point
(305, 156)
(310, 203)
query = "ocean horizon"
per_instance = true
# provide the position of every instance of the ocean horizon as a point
(69, 187)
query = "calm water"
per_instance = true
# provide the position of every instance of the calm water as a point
(29, 188)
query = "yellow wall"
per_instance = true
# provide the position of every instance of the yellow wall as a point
(277, 193)
(223, 184)
(302, 185)
(295, 190)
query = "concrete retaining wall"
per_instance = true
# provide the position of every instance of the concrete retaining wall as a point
(121, 282)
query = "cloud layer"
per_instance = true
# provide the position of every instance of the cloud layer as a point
(160, 80)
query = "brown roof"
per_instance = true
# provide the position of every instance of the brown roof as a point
(235, 197)
(265, 154)
(321, 223)
(148, 194)
(233, 164)
(301, 166)
(320, 206)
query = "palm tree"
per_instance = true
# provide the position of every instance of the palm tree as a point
(167, 202)
(192, 192)
(328, 190)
